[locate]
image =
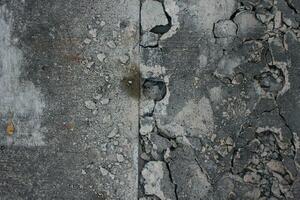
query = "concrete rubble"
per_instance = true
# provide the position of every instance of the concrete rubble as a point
(225, 127)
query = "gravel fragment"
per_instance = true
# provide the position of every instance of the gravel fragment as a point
(111, 44)
(124, 59)
(120, 158)
(101, 57)
(87, 41)
(152, 14)
(93, 33)
(225, 28)
(113, 133)
(104, 101)
(90, 105)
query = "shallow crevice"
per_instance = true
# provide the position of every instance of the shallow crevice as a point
(290, 130)
(290, 5)
(172, 181)
(149, 46)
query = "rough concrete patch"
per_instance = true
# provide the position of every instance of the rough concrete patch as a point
(197, 116)
(225, 28)
(20, 101)
(173, 10)
(149, 39)
(227, 64)
(215, 94)
(157, 180)
(206, 13)
(248, 26)
(152, 15)
(192, 182)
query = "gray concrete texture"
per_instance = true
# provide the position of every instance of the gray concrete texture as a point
(149, 100)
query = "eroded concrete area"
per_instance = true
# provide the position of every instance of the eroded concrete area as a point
(227, 127)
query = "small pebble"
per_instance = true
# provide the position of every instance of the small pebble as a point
(87, 41)
(90, 105)
(120, 158)
(101, 57)
(93, 32)
(90, 64)
(103, 171)
(111, 44)
(113, 133)
(102, 23)
(97, 96)
(124, 59)
(104, 101)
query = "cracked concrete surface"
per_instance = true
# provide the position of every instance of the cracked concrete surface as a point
(149, 99)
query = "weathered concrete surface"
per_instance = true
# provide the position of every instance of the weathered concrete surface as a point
(227, 125)
(68, 127)
(150, 99)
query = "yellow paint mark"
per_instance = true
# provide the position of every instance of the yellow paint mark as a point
(10, 128)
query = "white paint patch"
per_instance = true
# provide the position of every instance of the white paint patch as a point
(20, 102)
(172, 9)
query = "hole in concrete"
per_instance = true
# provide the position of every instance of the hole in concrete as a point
(154, 89)
(161, 29)
(271, 81)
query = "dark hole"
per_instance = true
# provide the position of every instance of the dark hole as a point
(154, 89)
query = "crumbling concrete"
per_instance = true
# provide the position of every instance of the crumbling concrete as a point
(150, 99)
(225, 127)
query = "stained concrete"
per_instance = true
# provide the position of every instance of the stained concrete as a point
(65, 103)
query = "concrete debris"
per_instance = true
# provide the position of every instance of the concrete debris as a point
(90, 64)
(101, 57)
(87, 41)
(102, 23)
(147, 125)
(225, 28)
(157, 180)
(188, 99)
(104, 171)
(113, 133)
(149, 39)
(248, 26)
(124, 59)
(120, 158)
(90, 105)
(104, 101)
(111, 44)
(152, 15)
(192, 182)
(93, 33)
